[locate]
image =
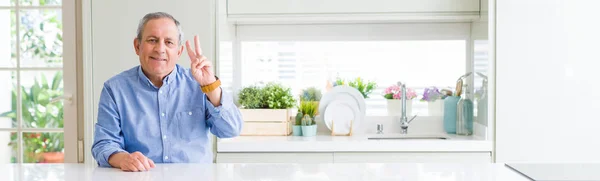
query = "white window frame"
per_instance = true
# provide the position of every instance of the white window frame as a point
(349, 32)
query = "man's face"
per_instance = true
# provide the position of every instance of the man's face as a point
(159, 47)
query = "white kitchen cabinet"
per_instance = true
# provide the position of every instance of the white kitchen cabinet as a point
(542, 44)
(265, 7)
(306, 11)
(357, 157)
(413, 157)
(274, 158)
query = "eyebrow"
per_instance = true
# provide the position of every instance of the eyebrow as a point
(168, 38)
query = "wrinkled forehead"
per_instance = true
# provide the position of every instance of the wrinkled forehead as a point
(160, 28)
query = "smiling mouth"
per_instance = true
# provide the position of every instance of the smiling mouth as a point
(158, 59)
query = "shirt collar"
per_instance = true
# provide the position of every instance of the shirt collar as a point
(167, 80)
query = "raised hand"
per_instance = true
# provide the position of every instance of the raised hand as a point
(201, 67)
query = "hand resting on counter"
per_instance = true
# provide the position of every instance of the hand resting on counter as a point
(134, 162)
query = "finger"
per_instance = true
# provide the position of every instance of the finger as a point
(144, 161)
(190, 51)
(197, 42)
(208, 63)
(194, 67)
(151, 163)
(202, 59)
(203, 64)
(132, 167)
(195, 63)
(134, 157)
(125, 167)
(139, 165)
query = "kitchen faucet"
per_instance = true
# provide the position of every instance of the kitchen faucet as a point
(403, 119)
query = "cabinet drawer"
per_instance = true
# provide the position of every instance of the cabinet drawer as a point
(274, 158)
(413, 157)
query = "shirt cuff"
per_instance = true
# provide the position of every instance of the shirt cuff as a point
(106, 154)
(226, 103)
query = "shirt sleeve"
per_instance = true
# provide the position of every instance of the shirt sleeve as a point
(224, 121)
(108, 138)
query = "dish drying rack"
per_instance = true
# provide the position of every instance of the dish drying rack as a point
(342, 134)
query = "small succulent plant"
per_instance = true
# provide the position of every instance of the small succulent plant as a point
(307, 120)
(299, 119)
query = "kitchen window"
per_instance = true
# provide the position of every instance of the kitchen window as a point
(300, 56)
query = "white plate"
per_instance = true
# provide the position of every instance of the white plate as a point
(344, 92)
(343, 89)
(342, 112)
(343, 97)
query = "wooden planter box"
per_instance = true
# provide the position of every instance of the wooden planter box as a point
(267, 128)
(267, 122)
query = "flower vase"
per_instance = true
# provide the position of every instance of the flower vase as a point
(394, 107)
(436, 108)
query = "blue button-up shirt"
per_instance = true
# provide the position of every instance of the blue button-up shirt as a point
(169, 124)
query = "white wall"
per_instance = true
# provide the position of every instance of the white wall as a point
(113, 28)
(547, 79)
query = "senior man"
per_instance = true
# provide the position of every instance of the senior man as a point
(158, 111)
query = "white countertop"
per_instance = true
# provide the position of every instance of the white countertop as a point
(558, 171)
(287, 172)
(355, 143)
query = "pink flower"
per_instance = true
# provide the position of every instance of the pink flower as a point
(395, 92)
(392, 89)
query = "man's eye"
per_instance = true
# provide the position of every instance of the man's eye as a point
(152, 40)
(170, 42)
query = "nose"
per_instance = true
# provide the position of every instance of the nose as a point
(160, 47)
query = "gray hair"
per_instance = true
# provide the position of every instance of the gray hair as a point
(157, 15)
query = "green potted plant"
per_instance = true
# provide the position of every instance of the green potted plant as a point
(297, 127)
(364, 87)
(39, 112)
(308, 125)
(311, 94)
(309, 97)
(268, 104)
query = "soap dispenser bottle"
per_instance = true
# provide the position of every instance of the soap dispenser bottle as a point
(464, 113)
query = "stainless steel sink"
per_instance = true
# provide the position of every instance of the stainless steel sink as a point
(408, 137)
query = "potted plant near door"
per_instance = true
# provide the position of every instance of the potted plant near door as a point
(39, 112)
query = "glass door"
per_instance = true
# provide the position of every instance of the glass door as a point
(37, 80)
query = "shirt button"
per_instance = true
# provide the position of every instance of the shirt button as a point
(190, 113)
(162, 114)
(166, 157)
(160, 92)
(164, 137)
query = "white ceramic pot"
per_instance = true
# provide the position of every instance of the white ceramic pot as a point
(436, 108)
(394, 107)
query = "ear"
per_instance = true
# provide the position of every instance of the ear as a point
(136, 46)
(180, 51)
